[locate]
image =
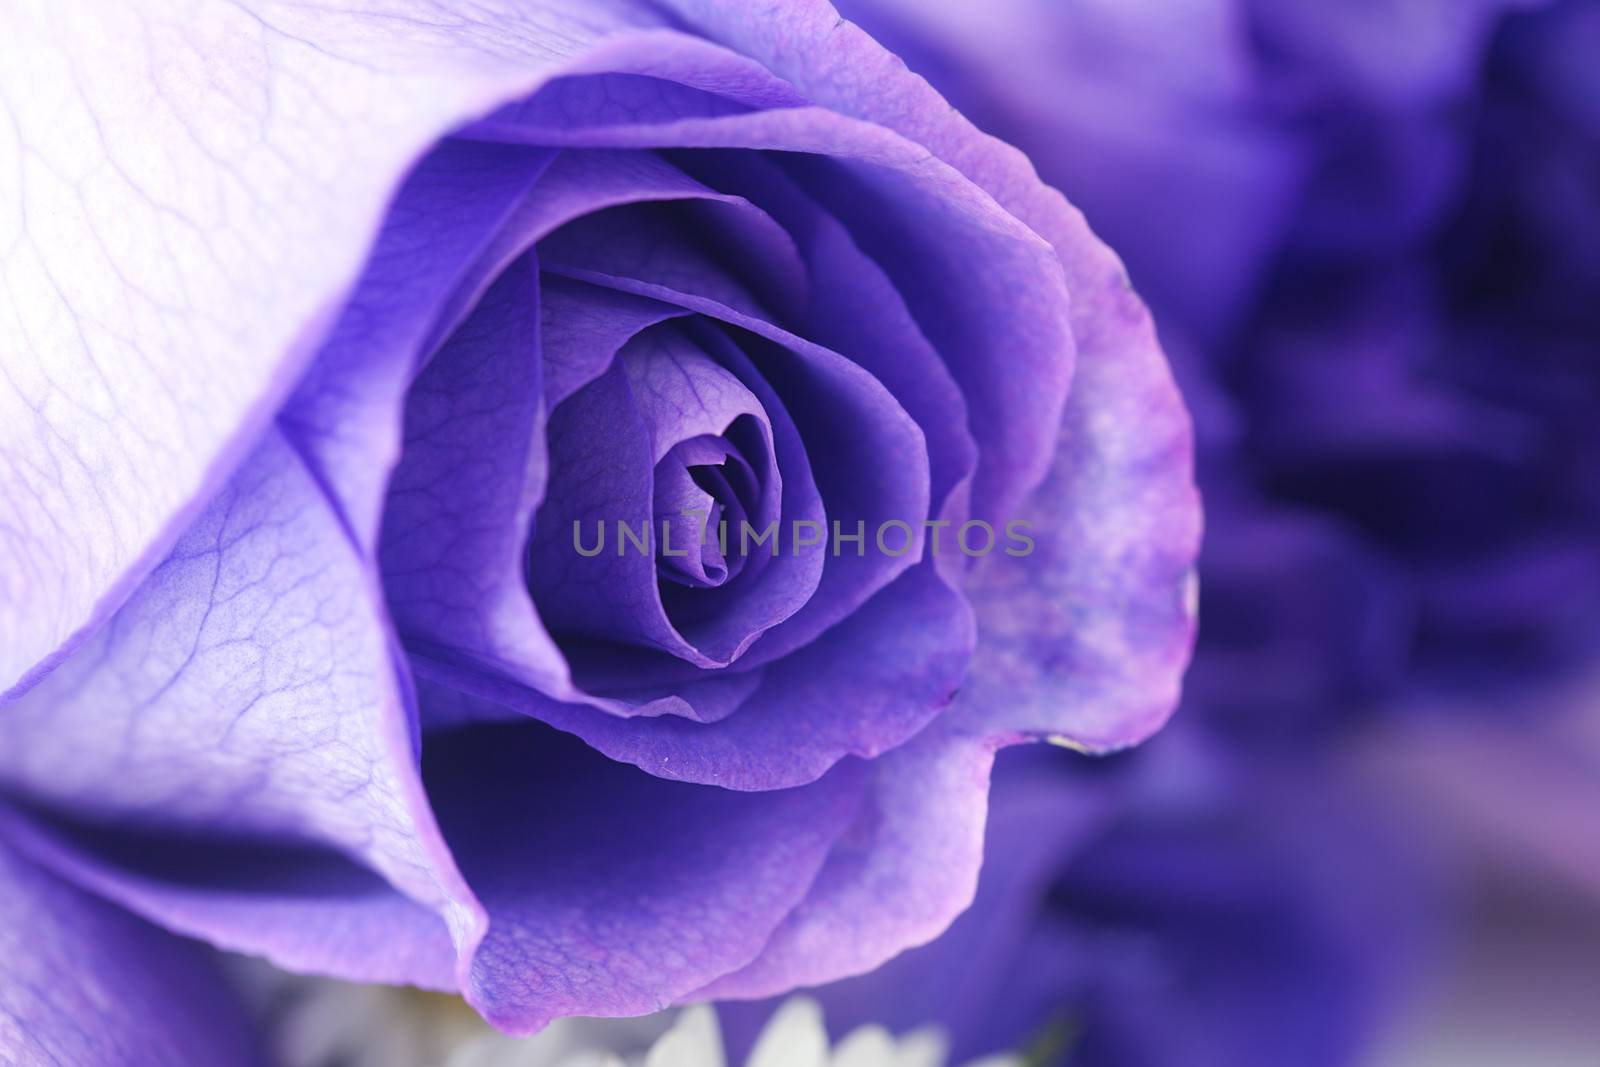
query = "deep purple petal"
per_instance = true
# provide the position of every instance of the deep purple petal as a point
(486, 622)
(609, 442)
(869, 457)
(472, 471)
(430, 255)
(863, 687)
(665, 225)
(856, 309)
(917, 841)
(611, 891)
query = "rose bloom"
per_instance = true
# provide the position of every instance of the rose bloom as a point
(324, 325)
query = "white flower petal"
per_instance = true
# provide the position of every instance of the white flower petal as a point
(865, 1046)
(326, 1023)
(925, 1046)
(793, 1037)
(695, 1040)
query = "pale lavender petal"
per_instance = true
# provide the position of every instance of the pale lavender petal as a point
(240, 214)
(1087, 635)
(249, 687)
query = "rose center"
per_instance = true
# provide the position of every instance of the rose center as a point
(706, 492)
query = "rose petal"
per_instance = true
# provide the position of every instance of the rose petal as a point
(435, 239)
(855, 309)
(658, 888)
(1039, 813)
(473, 468)
(305, 909)
(917, 841)
(863, 687)
(486, 623)
(607, 441)
(671, 227)
(85, 983)
(248, 688)
(869, 458)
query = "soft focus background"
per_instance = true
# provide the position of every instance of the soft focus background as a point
(1370, 234)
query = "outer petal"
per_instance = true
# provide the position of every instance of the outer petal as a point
(1167, 885)
(860, 689)
(306, 909)
(917, 842)
(612, 891)
(1088, 636)
(173, 257)
(249, 691)
(1038, 814)
(86, 984)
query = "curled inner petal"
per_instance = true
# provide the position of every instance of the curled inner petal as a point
(704, 487)
(669, 437)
